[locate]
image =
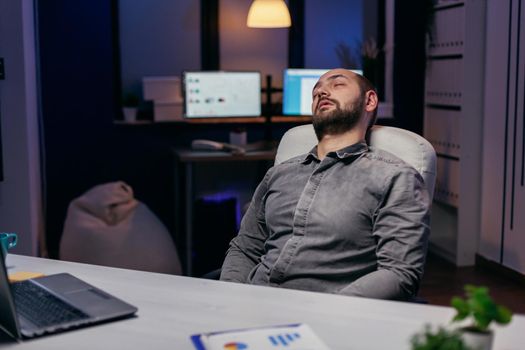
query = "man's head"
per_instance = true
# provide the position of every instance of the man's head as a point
(342, 101)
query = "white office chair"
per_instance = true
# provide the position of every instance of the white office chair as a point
(404, 144)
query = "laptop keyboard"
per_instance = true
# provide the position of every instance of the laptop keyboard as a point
(41, 307)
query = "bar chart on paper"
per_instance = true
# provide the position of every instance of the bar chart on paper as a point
(293, 337)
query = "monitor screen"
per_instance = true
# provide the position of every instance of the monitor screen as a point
(297, 89)
(214, 94)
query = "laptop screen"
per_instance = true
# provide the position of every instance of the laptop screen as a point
(213, 94)
(297, 89)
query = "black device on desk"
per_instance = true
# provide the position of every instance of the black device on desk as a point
(54, 303)
(208, 145)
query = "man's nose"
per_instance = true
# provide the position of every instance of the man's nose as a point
(323, 92)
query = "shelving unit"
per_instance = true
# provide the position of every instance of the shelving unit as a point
(503, 202)
(453, 124)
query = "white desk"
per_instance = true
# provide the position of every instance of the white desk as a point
(171, 308)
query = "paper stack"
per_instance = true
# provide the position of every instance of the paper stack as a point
(293, 337)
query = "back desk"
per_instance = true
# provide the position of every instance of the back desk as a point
(171, 308)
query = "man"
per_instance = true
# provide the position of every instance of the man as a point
(344, 218)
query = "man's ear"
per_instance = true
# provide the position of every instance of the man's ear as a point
(371, 101)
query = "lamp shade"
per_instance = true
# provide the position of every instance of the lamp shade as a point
(269, 14)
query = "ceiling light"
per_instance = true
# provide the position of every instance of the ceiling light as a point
(269, 14)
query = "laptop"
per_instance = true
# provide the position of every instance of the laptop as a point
(53, 304)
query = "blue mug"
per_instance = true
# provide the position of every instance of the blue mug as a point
(8, 241)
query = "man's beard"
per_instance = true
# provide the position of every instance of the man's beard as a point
(338, 121)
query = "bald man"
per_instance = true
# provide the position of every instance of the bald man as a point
(345, 218)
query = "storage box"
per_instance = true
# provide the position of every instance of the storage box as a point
(162, 89)
(163, 112)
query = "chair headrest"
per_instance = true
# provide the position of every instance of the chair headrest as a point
(406, 145)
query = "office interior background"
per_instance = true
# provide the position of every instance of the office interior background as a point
(453, 72)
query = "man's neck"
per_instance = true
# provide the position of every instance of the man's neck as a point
(332, 143)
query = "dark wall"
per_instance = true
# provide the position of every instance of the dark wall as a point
(409, 64)
(77, 90)
(82, 145)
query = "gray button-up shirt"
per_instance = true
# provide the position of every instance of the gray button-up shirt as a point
(355, 223)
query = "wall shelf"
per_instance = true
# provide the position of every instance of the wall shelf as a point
(237, 120)
(250, 120)
(385, 111)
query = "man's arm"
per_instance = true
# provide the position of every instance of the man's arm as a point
(247, 247)
(401, 229)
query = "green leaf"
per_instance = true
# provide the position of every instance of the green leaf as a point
(482, 321)
(504, 315)
(441, 339)
(461, 307)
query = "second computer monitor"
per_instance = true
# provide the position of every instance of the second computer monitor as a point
(297, 89)
(212, 94)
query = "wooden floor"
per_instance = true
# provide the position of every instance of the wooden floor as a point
(442, 281)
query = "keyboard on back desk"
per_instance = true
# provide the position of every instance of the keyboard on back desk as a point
(41, 307)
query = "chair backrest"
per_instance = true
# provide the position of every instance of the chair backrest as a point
(404, 144)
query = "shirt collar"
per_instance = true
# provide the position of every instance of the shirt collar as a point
(346, 152)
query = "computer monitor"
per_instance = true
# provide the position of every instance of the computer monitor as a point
(297, 89)
(213, 94)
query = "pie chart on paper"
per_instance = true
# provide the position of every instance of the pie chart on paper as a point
(235, 346)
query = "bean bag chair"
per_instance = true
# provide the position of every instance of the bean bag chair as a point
(108, 226)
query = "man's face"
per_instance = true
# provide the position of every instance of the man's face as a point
(337, 103)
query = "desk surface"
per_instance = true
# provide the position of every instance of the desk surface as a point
(260, 150)
(171, 308)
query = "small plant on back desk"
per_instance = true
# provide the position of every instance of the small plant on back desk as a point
(130, 100)
(130, 103)
(481, 308)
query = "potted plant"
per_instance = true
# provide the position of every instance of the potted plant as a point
(368, 52)
(130, 103)
(369, 57)
(345, 55)
(438, 340)
(482, 310)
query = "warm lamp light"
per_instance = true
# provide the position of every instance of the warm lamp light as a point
(268, 14)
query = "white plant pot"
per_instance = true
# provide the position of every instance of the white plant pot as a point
(238, 138)
(477, 340)
(130, 113)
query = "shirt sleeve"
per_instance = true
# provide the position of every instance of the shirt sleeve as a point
(247, 247)
(401, 229)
